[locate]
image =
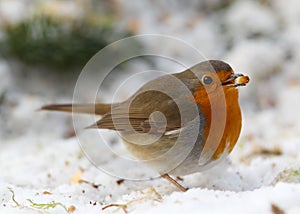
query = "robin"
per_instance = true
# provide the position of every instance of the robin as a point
(180, 123)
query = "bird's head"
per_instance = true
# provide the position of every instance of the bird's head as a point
(214, 79)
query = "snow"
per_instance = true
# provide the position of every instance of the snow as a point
(42, 162)
(250, 18)
(12, 11)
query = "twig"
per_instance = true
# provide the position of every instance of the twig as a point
(120, 206)
(13, 196)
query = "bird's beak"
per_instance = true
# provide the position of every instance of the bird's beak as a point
(235, 80)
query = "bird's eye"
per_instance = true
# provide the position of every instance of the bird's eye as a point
(207, 80)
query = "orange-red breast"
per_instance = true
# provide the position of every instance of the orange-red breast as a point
(196, 112)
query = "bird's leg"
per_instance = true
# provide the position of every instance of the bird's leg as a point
(170, 179)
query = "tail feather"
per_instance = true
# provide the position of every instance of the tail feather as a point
(99, 109)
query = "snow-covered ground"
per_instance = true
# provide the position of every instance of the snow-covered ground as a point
(43, 168)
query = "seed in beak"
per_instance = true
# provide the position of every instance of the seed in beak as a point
(242, 80)
(235, 80)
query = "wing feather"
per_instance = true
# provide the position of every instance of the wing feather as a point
(141, 118)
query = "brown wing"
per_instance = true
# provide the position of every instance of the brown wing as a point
(134, 114)
(140, 114)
